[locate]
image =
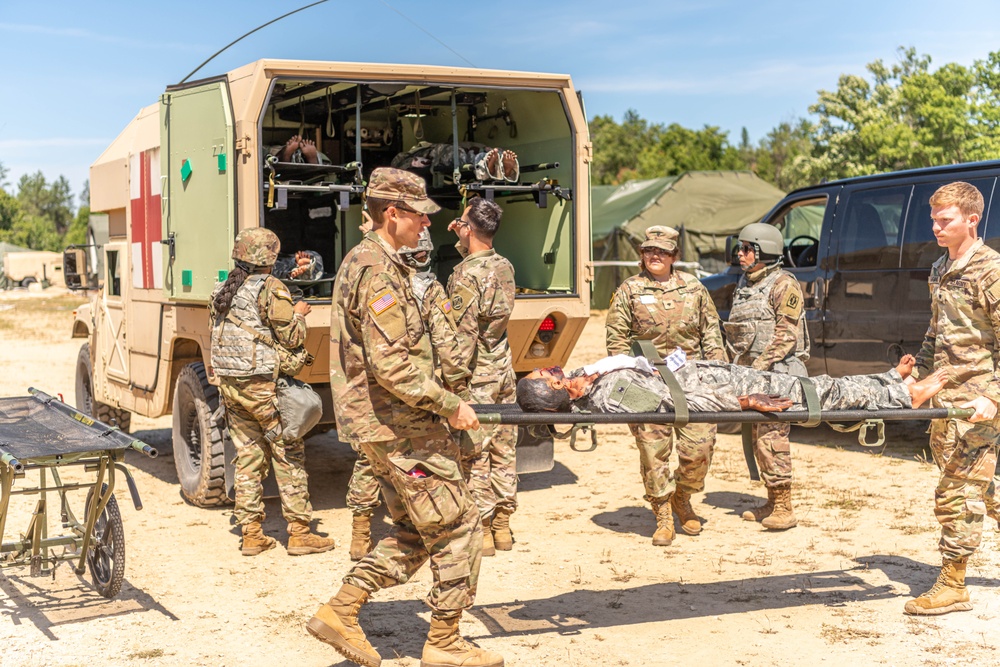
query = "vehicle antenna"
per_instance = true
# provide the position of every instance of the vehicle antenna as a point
(247, 35)
(427, 32)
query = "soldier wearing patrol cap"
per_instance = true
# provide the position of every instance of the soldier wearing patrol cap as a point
(672, 309)
(250, 307)
(388, 402)
(766, 330)
(436, 312)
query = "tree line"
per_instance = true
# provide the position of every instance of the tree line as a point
(900, 116)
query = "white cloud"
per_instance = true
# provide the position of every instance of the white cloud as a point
(87, 35)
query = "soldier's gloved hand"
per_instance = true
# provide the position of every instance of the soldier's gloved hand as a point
(465, 418)
(765, 402)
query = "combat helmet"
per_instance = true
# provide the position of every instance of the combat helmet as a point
(257, 246)
(766, 239)
(409, 254)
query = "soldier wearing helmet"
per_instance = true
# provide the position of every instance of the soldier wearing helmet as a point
(672, 309)
(250, 308)
(766, 330)
(436, 312)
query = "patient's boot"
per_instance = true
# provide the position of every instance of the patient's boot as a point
(681, 504)
(664, 534)
(445, 647)
(782, 518)
(254, 539)
(302, 541)
(761, 512)
(336, 623)
(946, 595)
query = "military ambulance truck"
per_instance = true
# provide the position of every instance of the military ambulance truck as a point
(206, 161)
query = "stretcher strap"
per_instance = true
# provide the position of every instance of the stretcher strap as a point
(648, 350)
(747, 430)
(812, 402)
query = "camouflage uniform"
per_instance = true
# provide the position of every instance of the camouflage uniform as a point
(249, 395)
(712, 386)
(766, 330)
(674, 313)
(387, 398)
(435, 311)
(482, 292)
(963, 335)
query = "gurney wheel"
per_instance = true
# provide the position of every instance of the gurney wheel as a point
(106, 555)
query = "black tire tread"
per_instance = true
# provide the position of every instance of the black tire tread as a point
(102, 412)
(211, 489)
(114, 524)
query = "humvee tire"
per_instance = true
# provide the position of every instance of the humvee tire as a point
(199, 451)
(85, 402)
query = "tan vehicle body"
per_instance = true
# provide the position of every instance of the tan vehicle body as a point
(149, 321)
(34, 266)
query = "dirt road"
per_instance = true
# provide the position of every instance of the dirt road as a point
(583, 585)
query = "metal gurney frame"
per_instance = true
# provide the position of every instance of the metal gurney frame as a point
(98, 540)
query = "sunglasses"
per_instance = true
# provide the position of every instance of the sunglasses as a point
(654, 251)
(745, 249)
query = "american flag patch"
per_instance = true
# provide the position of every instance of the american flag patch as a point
(446, 305)
(382, 303)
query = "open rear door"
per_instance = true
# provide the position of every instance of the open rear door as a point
(196, 132)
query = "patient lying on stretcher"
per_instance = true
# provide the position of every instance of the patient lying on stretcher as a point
(630, 384)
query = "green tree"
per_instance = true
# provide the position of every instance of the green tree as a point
(617, 146)
(680, 149)
(77, 232)
(781, 155)
(52, 202)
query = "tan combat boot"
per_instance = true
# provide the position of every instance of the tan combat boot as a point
(946, 595)
(681, 504)
(503, 539)
(302, 542)
(782, 517)
(761, 512)
(445, 647)
(254, 540)
(664, 534)
(489, 548)
(361, 536)
(336, 623)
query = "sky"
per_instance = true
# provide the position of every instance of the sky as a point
(75, 73)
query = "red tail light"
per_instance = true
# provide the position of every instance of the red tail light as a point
(547, 329)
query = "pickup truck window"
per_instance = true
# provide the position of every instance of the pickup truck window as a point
(920, 249)
(868, 237)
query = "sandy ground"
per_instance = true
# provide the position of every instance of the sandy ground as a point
(583, 585)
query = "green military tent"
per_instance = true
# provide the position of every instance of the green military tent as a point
(704, 206)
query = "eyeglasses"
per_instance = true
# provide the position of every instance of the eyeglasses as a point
(745, 249)
(459, 221)
(403, 207)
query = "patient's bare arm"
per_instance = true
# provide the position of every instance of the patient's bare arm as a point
(765, 402)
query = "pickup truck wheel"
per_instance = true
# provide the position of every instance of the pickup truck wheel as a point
(199, 453)
(85, 402)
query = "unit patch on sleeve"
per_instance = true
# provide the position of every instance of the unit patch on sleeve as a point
(791, 306)
(993, 292)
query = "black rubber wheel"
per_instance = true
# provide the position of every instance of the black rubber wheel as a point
(199, 452)
(27, 281)
(85, 402)
(106, 554)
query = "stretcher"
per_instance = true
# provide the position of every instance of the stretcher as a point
(41, 433)
(864, 421)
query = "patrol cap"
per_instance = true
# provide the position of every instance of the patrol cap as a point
(399, 185)
(257, 246)
(661, 236)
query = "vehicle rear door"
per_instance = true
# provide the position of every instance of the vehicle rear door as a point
(196, 131)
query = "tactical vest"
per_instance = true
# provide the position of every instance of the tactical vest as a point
(751, 324)
(236, 353)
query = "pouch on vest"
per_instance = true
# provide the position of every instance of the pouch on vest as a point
(630, 397)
